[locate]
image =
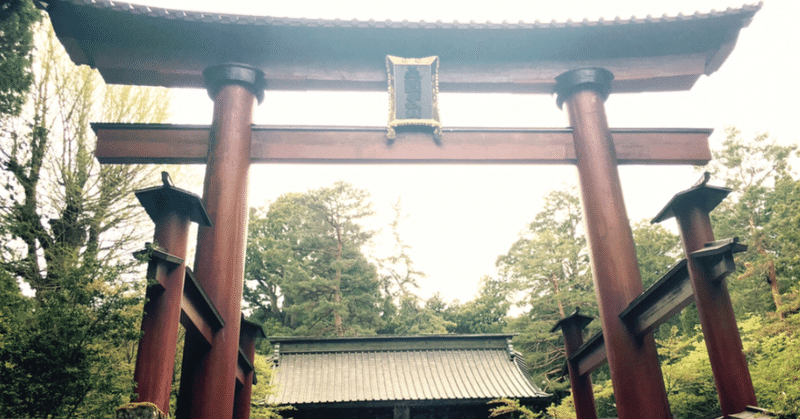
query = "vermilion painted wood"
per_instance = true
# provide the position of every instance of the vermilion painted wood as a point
(581, 384)
(635, 370)
(179, 144)
(241, 405)
(219, 265)
(721, 334)
(191, 318)
(155, 359)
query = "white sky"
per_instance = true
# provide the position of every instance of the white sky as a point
(460, 218)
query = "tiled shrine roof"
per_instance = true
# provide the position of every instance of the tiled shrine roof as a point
(391, 369)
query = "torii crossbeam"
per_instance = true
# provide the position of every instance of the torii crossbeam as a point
(182, 144)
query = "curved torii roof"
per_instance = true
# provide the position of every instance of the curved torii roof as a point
(132, 44)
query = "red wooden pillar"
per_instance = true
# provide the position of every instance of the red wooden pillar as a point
(572, 327)
(208, 390)
(247, 342)
(635, 370)
(721, 334)
(172, 210)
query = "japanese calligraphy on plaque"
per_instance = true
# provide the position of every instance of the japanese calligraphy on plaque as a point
(413, 91)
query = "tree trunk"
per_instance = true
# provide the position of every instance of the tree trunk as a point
(554, 280)
(337, 292)
(772, 276)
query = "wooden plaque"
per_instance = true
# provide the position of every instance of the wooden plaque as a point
(413, 91)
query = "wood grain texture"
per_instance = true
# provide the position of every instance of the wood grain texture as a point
(182, 144)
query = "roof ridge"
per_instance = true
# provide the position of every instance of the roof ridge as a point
(346, 351)
(239, 19)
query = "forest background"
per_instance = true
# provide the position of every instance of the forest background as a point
(71, 296)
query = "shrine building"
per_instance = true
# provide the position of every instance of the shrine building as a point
(387, 377)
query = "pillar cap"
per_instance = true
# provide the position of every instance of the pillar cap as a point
(701, 195)
(251, 328)
(592, 78)
(576, 317)
(247, 76)
(161, 200)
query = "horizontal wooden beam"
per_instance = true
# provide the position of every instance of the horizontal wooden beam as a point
(243, 366)
(197, 310)
(662, 300)
(591, 355)
(192, 319)
(181, 144)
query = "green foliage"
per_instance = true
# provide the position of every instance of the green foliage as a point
(657, 250)
(486, 313)
(549, 265)
(68, 226)
(402, 311)
(759, 173)
(603, 398)
(260, 408)
(414, 318)
(509, 408)
(17, 19)
(687, 375)
(784, 230)
(305, 268)
(771, 343)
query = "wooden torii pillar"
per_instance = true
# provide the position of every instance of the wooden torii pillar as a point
(635, 370)
(209, 373)
(581, 384)
(172, 209)
(703, 255)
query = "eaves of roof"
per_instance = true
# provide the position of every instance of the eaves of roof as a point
(400, 376)
(144, 45)
(239, 19)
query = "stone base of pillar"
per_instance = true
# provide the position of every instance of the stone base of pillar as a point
(144, 410)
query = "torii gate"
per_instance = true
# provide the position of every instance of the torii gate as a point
(581, 61)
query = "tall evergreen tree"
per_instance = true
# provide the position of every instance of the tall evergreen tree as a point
(305, 267)
(752, 169)
(68, 226)
(549, 265)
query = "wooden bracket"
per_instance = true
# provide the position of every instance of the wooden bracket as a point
(717, 257)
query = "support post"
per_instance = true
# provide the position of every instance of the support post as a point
(172, 210)
(572, 327)
(208, 388)
(247, 343)
(635, 370)
(720, 332)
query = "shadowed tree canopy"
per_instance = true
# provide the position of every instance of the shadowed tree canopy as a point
(17, 18)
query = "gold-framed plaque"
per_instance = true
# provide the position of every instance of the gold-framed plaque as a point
(413, 95)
